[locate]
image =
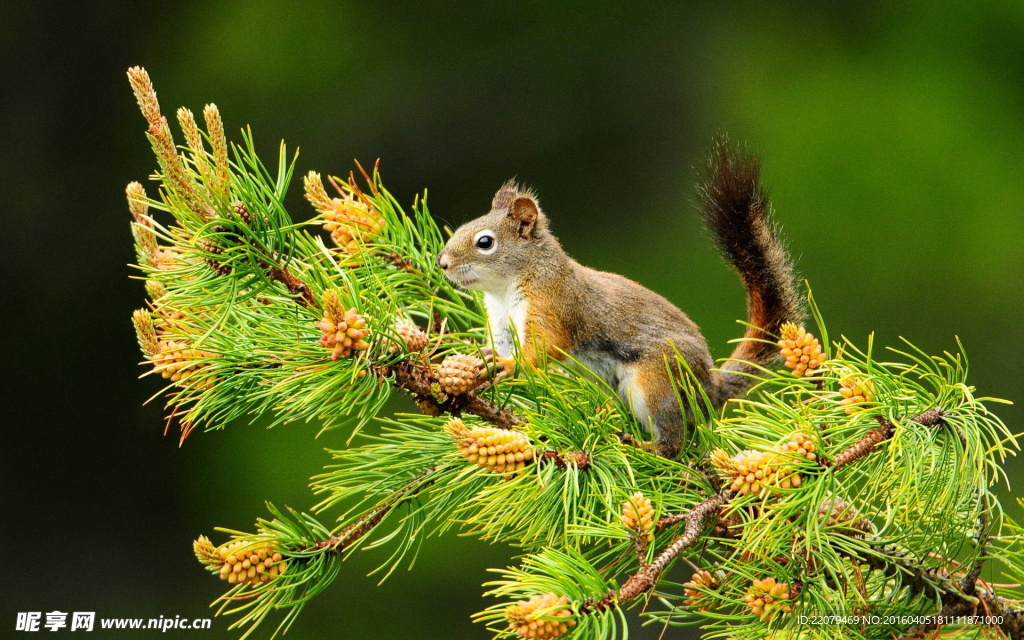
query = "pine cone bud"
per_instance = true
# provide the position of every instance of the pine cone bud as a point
(837, 514)
(495, 449)
(343, 330)
(856, 393)
(176, 361)
(242, 211)
(767, 598)
(350, 222)
(145, 330)
(801, 350)
(729, 523)
(167, 259)
(756, 472)
(696, 590)
(460, 373)
(528, 618)
(215, 263)
(800, 444)
(156, 290)
(638, 514)
(748, 472)
(206, 552)
(413, 337)
(348, 219)
(242, 561)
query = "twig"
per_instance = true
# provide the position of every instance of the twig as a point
(970, 581)
(870, 440)
(372, 518)
(578, 459)
(295, 286)
(956, 600)
(416, 379)
(644, 580)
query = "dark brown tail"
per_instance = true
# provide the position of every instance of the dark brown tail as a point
(738, 212)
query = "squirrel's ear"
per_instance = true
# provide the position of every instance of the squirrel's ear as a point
(524, 210)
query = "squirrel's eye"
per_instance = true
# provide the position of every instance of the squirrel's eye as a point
(485, 242)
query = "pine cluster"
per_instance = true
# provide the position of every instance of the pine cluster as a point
(801, 350)
(495, 449)
(542, 617)
(842, 484)
(638, 514)
(241, 561)
(754, 472)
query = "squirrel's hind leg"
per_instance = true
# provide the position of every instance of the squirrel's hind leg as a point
(647, 388)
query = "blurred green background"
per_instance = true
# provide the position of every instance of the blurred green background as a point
(893, 144)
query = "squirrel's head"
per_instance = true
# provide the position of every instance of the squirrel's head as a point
(492, 251)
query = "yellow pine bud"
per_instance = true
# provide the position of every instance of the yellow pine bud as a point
(800, 444)
(460, 373)
(207, 553)
(542, 617)
(696, 590)
(241, 561)
(155, 290)
(458, 430)
(142, 86)
(856, 393)
(747, 472)
(342, 329)
(638, 514)
(215, 131)
(145, 330)
(167, 259)
(495, 449)
(755, 472)
(177, 361)
(348, 219)
(721, 460)
(801, 350)
(142, 230)
(316, 193)
(766, 598)
(193, 139)
(159, 133)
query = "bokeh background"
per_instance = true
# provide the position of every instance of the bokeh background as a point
(893, 145)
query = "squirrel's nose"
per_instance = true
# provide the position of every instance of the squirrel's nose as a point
(442, 260)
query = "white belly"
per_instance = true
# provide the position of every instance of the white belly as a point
(506, 314)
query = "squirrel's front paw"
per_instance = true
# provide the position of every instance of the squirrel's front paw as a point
(496, 367)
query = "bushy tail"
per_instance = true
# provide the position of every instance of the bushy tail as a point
(738, 212)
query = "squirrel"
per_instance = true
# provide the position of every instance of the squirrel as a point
(622, 332)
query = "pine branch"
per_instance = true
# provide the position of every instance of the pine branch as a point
(978, 600)
(418, 380)
(365, 523)
(647, 577)
(870, 440)
(251, 314)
